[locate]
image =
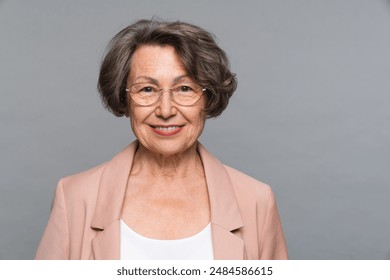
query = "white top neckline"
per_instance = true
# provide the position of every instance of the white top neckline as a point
(136, 246)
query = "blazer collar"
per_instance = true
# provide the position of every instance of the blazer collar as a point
(225, 215)
(223, 202)
(112, 188)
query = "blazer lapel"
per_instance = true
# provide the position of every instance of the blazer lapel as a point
(112, 188)
(225, 214)
(106, 244)
(226, 245)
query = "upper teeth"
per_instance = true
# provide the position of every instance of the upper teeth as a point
(166, 128)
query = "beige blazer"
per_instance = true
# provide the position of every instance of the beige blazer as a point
(86, 211)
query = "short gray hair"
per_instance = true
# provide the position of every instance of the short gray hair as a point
(204, 61)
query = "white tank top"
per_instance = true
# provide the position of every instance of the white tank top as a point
(137, 247)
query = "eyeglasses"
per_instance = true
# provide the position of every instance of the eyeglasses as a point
(184, 94)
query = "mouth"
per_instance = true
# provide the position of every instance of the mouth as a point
(166, 130)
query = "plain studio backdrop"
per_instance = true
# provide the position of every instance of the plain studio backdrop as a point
(310, 116)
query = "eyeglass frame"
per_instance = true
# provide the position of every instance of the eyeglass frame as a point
(171, 92)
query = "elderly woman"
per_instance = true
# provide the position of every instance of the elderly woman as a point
(164, 196)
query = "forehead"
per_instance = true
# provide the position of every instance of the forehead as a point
(158, 62)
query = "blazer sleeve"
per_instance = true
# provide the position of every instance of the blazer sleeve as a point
(55, 240)
(273, 243)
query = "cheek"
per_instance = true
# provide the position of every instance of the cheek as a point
(201, 116)
(139, 114)
(199, 119)
(137, 117)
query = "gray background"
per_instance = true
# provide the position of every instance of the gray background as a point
(310, 116)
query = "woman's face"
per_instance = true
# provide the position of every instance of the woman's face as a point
(165, 127)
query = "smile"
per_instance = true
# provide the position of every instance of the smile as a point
(167, 130)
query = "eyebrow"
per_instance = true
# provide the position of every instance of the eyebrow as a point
(150, 79)
(178, 79)
(155, 81)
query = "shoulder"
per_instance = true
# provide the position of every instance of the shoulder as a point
(250, 191)
(246, 188)
(244, 182)
(85, 182)
(85, 175)
(91, 178)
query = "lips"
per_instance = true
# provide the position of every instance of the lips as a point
(167, 130)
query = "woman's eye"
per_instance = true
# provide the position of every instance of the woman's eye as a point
(185, 88)
(147, 89)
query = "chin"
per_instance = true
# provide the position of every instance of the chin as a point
(170, 149)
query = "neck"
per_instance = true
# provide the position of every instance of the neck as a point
(175, 166)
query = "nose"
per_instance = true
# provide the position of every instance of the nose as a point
(166, 108)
